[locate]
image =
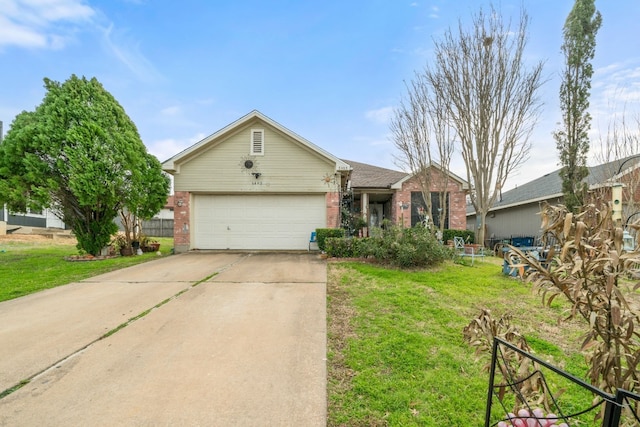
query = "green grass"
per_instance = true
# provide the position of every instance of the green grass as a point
(396, 351)
(27, 267)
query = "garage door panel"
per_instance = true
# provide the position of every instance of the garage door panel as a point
(256, 221)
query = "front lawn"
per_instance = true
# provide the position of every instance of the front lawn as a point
(396, 354)
(28, 266)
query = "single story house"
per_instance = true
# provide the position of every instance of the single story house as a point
(40, 219)
(255, 184)
(378, 193)
(516, 213)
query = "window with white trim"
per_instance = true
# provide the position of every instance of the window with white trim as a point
(257, 142)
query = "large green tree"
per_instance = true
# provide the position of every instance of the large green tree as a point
(572, 140)
(79, 154)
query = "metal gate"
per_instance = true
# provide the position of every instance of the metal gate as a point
(506, 392)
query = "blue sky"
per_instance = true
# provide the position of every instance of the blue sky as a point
(331, 71)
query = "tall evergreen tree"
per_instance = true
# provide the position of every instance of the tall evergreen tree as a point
(79, 154)
(572, 140)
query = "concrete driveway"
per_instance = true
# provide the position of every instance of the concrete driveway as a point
(230, 339)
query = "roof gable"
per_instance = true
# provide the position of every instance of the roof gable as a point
(173, 164)
(463, 183)
(369, 176)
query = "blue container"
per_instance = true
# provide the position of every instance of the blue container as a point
(522, 241)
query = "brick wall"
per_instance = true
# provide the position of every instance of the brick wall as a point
(401, 216)
(333, 210)
(457, 202)
(181, 221)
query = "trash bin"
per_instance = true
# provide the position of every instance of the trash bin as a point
(522, 241)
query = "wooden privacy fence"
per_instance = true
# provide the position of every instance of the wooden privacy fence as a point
(158, 227)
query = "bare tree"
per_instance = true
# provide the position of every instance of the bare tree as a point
(444, 136)
(491, 100)
(410, 129)
(620, 152)
(416, 123)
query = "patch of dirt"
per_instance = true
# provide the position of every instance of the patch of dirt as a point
(39, 239)
(340, 311)
(88, 257)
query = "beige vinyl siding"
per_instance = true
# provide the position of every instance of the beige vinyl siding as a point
(516, 221)
(286, 165)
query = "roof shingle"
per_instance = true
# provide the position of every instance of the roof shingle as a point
(369, 176)
(550, 185)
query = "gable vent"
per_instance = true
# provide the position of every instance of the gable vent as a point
(257, 142)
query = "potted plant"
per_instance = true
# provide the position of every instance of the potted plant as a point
(154, 245)
(148, 244)
(120, 243)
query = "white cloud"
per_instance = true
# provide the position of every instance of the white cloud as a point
(619, 81)
(173, 110)
(381, 115)
(128, 53)
(615, 94)
(51, 24)
(41, 23)
(18, 35)
(422, 52)
(205, 101)
(376, 141)
(164, 149)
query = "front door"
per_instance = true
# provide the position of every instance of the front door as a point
(376, 214)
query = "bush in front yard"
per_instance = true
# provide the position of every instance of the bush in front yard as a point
(402, 247)
(417, 247)
(323, 233)
(343, 247)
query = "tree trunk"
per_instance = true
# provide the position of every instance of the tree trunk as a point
(480, 227)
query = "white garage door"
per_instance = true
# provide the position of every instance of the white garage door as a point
(256, 221)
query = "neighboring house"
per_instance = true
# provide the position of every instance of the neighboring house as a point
(380, 193)
(516, 213)
(167, 210)
(43, 219)
(257, 185)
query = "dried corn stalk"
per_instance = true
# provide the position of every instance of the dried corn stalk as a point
(517, 371)
(586, 264)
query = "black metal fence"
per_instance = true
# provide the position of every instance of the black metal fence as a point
(505, 393)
